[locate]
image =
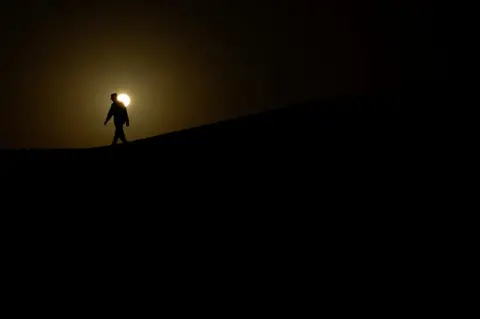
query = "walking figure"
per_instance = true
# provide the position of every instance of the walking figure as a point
(120, 117)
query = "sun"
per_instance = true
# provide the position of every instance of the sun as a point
(124, 98)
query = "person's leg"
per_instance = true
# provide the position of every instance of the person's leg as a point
(121, 135)
(115, 138)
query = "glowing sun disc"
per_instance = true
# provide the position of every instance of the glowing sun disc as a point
(124, 98)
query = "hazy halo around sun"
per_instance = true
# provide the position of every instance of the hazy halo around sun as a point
(124, 98)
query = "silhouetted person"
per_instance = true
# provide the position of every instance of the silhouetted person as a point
(120, 117)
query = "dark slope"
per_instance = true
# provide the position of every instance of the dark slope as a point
(340, 139)
(304, 126)
(307, 178)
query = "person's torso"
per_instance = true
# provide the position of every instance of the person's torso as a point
(119, 113)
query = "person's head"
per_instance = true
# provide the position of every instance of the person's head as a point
(114, 97)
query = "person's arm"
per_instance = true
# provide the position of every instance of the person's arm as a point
(127, 120)
(109, 116)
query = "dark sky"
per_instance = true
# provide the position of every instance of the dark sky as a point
(186, 63)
